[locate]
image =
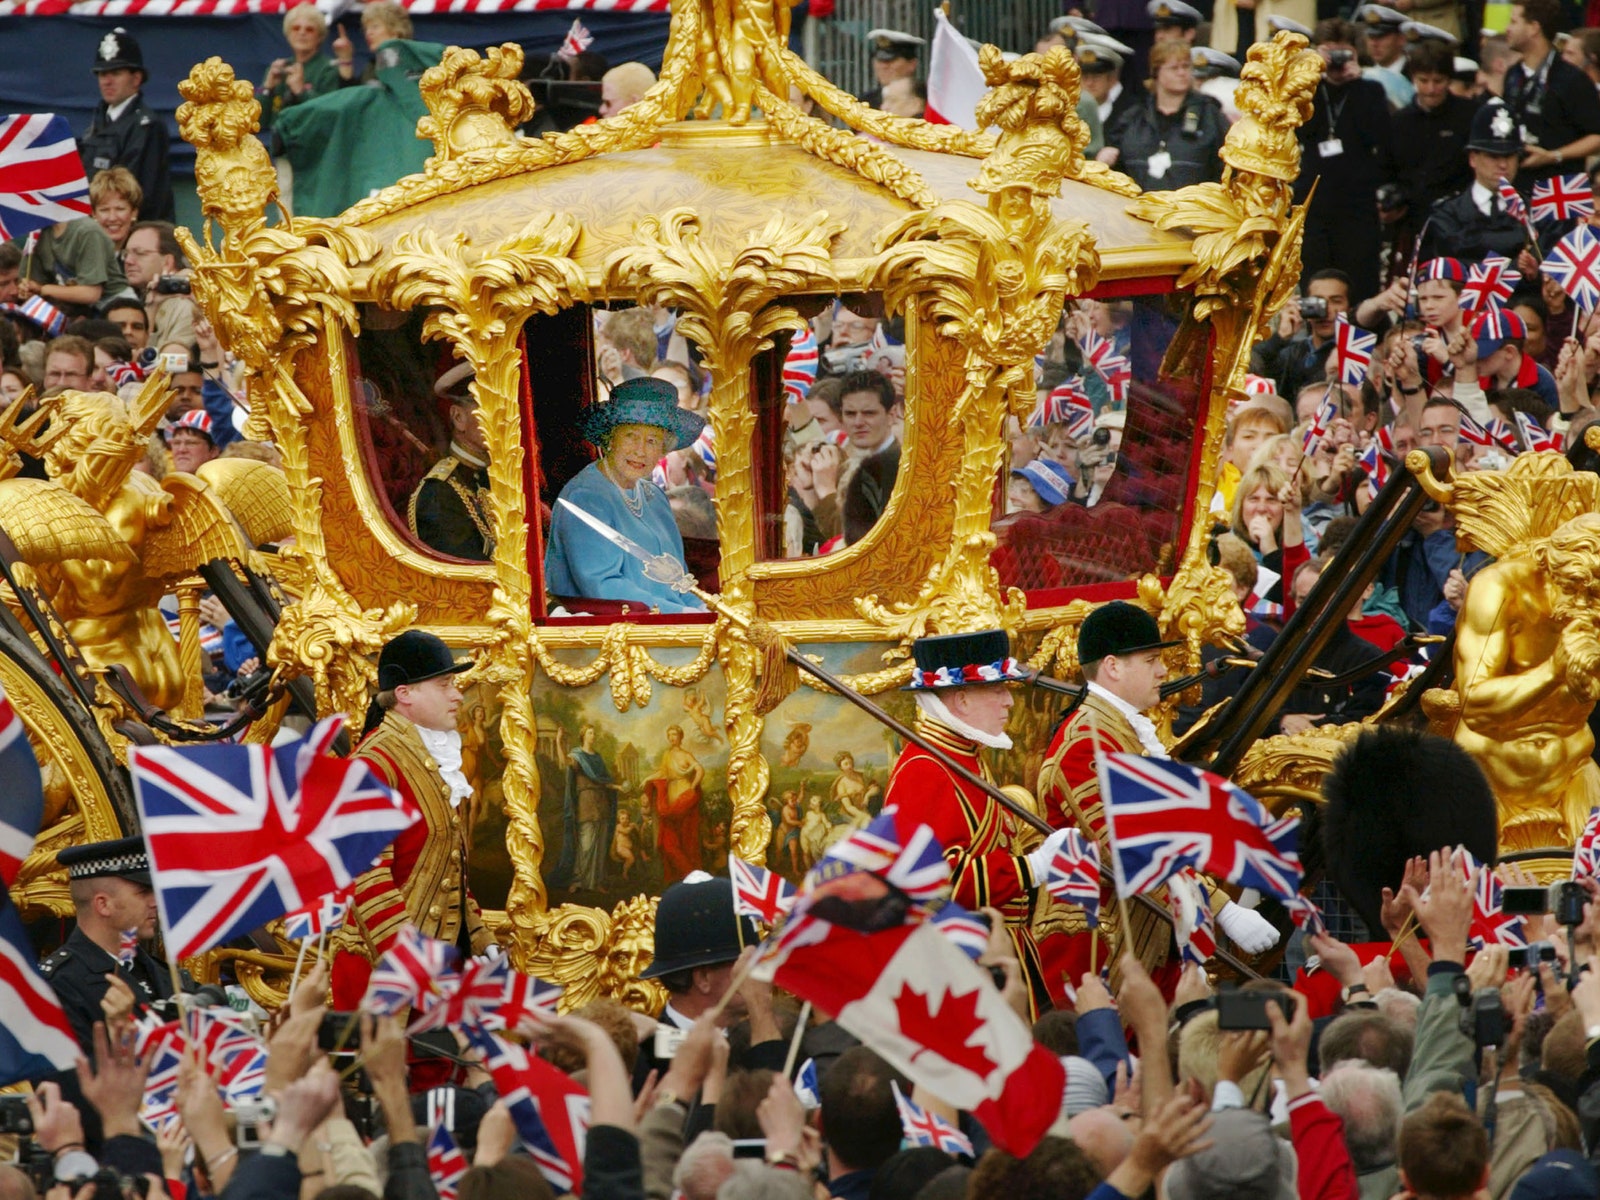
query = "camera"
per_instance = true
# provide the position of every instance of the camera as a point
(251, 1115)
(668, 1039)
(1525, 958)
(1314, 308)
(1238, 1009)
(1483, 1016)
(1340, 58)
(15, 1118)
(172, 285)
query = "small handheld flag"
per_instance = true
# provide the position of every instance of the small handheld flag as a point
(1574, 264)
(924, 1128)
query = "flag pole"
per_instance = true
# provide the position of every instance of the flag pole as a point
(1111, 834)
(738, 925)
(294, 979)
(794, 1042)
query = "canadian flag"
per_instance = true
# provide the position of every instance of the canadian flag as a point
(914, 997)
(955, 81)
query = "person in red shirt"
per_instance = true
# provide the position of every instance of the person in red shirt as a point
(962, 686)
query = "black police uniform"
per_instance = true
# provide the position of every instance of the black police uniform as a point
(1458, 228)
(449, 511)
(1190, 138)
(1555, 105)
(78, 973)
(79, 968)
(137, 139)
(1347, 144)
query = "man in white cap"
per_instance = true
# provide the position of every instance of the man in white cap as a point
(1382, 30)
(1174, 20)
(894, 56)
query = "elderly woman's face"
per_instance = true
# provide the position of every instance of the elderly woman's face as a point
(304, 32)
(633, 452)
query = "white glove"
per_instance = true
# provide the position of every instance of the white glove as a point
(1251, 932)
(1039, 860)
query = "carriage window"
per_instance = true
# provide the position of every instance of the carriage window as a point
(832, 410)
(1097, 480)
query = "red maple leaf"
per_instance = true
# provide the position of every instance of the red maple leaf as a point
(947, 1031)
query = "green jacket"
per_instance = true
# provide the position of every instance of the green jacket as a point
(322, 79)
(346, 145)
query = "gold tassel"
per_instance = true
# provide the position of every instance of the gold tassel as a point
(776, 674)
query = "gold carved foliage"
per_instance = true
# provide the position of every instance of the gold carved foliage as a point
(1500, 511)
(475, 103)
(629, 665)
(596, 955)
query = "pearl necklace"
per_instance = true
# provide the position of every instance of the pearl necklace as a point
(632, 497)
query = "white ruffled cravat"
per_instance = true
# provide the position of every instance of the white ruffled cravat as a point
(1149, 739)
(444, 745)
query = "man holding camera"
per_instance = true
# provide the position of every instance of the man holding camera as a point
(151, 259)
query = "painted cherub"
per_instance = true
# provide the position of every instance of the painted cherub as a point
(622, 850)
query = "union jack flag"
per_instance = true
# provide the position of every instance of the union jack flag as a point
(235, 1057)
(1193, 926)
(415, 971)
(550, 1111)
(1306, 915)
(924, 1128)
(1502, 435)
(1473, 432)
(1354, 350)
(1490, 282)
(41, 175)
(123, 372)
(22, 800)
(1490, 926)
(35, 1038)
(805, 1085)
(578, 40)
(1073, 875)
(239, 835)
(160, 1107)
(800, 366)
(1586, 854)
(1068, 404)
(127, 946)
(965, 929)
(1321, 422)
(1115, 369)
(1376, 465)
(1574, 264)
(917, 868)
(1511, 200)
(1562, 198)
(490, 994)
(1534, 435)
(321, 916)
(758, 892)
(1163, 816)
(446, 1163)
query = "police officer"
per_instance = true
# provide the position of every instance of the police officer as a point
(111, 896)
(894, 56)
(697, 942)
(125, 131)
(449, 510)
(1474, 223)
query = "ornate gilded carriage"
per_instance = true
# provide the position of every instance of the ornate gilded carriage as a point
(721, 198)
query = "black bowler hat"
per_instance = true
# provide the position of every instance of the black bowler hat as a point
(118, 50)
(696, 927)
(1495, 130)
(1118, 628)
(952, 660)
(415, 656)
(125, 858)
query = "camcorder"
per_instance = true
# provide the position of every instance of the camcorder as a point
(1563, 898)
